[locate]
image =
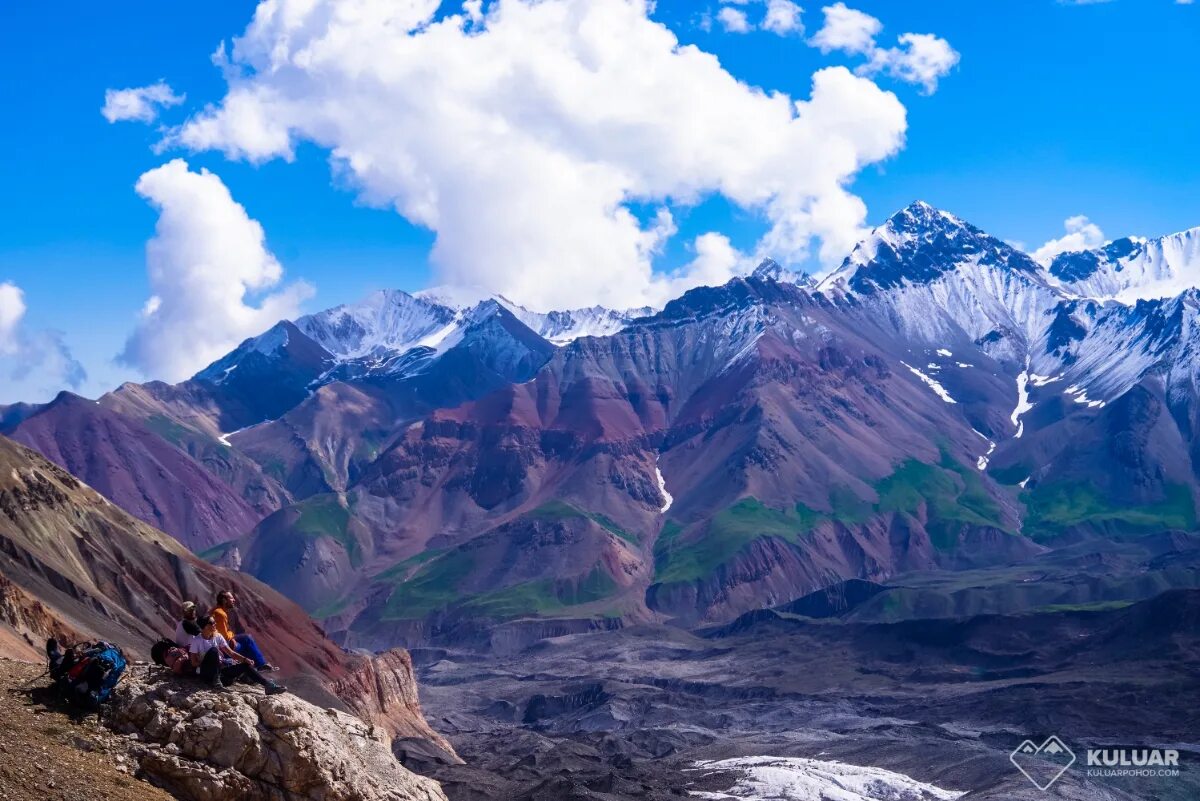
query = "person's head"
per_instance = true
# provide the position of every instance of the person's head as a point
(226, 599)
(189, 610)
(208, 626)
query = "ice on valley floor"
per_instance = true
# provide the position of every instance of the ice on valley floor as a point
(934, 385)
(944, 352)
(799, 779)
(662, 487)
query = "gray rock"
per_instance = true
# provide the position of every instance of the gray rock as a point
(243, 745)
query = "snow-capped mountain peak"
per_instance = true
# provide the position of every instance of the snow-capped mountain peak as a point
(386, 321)
(771, 269)
(1132, 269)
(917, 245)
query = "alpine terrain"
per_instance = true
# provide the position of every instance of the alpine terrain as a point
(867, 529)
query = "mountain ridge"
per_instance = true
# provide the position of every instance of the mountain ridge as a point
(939, 402)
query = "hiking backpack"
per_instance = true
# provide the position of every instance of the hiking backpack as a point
(87, 673)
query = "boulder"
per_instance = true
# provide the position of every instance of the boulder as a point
(240, 744)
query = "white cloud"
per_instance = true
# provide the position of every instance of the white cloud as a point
(922, 58)
(919, 58)
(1082, 234)
(783, 18)
(37, 364)
(210, 272)
(846, 29)
(12, 310)
(141, 104)
(733, 20)
(525, 170)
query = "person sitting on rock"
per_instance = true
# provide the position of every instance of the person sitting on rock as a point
(220, 665)
(243, 643)
(185, 627)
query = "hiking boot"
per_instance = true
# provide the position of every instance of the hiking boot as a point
(275, 689)
(217, 685)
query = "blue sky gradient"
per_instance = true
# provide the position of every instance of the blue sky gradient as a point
(1054, 110)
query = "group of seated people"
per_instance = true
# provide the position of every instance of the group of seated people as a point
(209, 648)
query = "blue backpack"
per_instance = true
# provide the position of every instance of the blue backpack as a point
(87, 674)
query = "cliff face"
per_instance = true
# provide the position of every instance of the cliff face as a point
(382, 690)
(75, 566)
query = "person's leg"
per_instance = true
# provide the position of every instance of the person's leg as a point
(239, 671)
(247, 673)
(245, 645)
(210, 667)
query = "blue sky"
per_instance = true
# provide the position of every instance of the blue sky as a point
(1054, 110)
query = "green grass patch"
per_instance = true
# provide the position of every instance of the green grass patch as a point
(215, 552)
(557, 510)
(544, 596)
(325, 516)
(330, 609)
(1098, 606)
(728, 532)
(847, 508)
(433, 587)
(398, 571)
(954, 496)
(1052, 509)
(436, 586)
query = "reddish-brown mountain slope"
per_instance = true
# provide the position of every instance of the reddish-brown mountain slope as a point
(139, 470)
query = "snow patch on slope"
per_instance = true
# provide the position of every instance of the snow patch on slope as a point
(982, 461)
(668, 499)
(1023, 403)
(798, 779)
(1079, 395)
(934, 385)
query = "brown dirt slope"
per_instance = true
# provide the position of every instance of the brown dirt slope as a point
(47, 755)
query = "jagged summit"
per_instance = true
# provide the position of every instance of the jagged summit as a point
(919, 244)
(1132, 268)
(772, 270)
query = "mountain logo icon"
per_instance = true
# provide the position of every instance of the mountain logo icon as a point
(1043, 764)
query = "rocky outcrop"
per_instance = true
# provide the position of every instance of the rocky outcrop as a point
(243, 745)
(382, 690)
(25, 623)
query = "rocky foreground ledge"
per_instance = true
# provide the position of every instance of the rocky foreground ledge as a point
(242, 745)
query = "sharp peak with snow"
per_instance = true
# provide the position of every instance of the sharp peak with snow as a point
(919, 244)
(768, 268)
(1132, 268)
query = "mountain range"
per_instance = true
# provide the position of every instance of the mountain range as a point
(451, 467)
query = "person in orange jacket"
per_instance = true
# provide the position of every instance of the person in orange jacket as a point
(243, 643)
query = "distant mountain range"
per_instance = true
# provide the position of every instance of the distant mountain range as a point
(447, 466)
